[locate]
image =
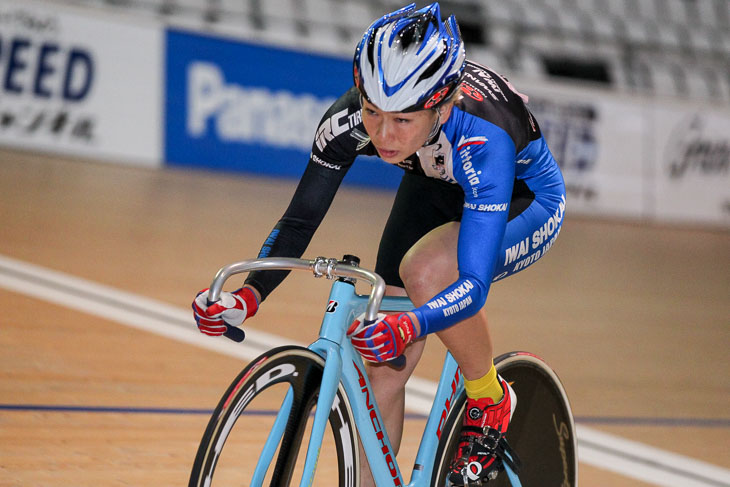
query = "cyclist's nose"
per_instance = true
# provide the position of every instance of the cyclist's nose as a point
(385, 131)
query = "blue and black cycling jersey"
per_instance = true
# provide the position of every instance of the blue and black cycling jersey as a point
(491, 148)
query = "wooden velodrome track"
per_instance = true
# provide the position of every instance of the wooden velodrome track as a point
(634, 318)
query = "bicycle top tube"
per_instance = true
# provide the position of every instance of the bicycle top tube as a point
(320, 267)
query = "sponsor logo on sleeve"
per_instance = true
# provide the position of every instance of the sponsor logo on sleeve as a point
(326, 164)
(337, 124)
(463, 148)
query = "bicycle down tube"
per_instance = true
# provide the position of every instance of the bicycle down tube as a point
(378, 449)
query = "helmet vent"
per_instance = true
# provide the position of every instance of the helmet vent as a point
(371, 52)
(416, 32)
(434, 66)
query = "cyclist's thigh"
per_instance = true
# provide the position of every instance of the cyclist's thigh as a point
(530, 234)
(421, 204)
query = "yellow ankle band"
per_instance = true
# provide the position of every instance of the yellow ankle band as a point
(486, 386)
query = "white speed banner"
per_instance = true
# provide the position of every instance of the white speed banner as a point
(77, 83)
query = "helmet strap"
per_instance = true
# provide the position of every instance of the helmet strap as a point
(436, 126)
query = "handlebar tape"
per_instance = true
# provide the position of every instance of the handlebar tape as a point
(234, 333)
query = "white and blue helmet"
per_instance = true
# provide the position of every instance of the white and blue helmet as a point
(409, 60)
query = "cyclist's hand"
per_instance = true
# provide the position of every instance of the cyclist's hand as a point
(383, 340)
(231, 309)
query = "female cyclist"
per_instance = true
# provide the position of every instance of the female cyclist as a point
(481, 198)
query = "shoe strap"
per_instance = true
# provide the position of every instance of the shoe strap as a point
(495, 443)
(508, 456)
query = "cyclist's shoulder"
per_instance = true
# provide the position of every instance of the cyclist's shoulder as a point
(341, 136)
(349, 100)
(490, 100)
(485, 88)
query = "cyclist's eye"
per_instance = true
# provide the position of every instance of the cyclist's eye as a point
(368, 111)
(403, 120)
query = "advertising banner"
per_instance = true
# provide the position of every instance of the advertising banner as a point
(638, 158)
(691, 165)
(246, 107)
(79, 84)
(600, 147)
(113, 88)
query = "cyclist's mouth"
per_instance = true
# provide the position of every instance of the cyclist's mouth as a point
(387, 154)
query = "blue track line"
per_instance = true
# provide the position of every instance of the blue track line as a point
(587, 420)
(104, 409)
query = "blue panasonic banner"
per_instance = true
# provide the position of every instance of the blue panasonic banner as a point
(231, 105)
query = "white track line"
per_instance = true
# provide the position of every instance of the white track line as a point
(609, 452)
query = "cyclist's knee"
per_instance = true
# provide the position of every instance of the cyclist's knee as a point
(423, 271)
(431, 263)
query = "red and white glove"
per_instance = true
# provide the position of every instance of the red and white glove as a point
(231, 309)
(383, 340)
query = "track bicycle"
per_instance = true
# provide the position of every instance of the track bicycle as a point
(291, 395)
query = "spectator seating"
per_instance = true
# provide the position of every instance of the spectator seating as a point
(678, 48)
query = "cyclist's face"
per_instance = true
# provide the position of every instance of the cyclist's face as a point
(397, 135)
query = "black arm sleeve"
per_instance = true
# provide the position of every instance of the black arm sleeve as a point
(337, 142)
(293, 232)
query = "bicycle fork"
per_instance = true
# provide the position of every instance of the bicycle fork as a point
(327, 391)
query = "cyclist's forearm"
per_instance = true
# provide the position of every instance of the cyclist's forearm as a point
(292, 234)
(459, 301)
(286, 240)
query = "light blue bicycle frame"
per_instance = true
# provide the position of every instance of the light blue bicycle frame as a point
(344, 366)
(347, 368)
